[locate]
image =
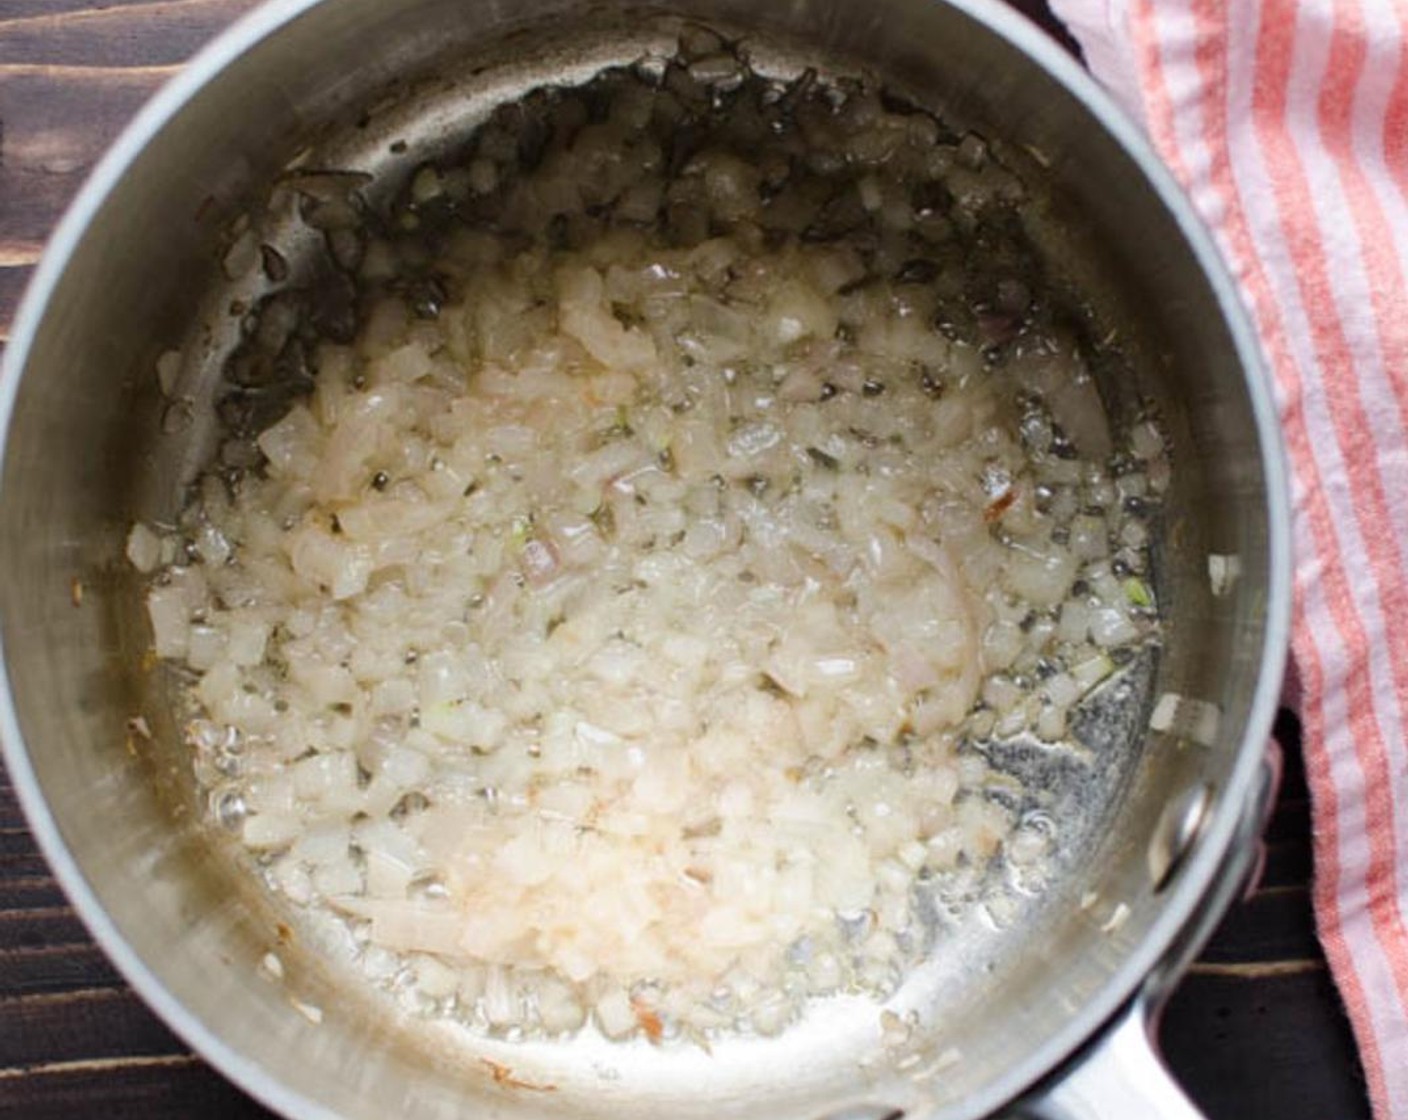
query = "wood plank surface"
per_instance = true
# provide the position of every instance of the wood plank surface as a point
(160, 33)
(57, 122)
(1255, 1031)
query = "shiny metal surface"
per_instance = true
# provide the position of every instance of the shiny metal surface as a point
(1122, 1076)
(1181, 821)
(1119, 1074)
(88, 446)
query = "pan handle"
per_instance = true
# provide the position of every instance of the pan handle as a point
(1120, 1077)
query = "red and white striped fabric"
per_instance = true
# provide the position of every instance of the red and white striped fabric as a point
(1287, 122)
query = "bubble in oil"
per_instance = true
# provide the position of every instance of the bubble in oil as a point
(228, 807)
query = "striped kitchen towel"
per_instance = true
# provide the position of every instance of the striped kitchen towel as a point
(1287, 123)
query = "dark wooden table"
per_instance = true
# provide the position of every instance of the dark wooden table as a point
(1256, 1030)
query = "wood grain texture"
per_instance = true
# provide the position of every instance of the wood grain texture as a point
(46, 1028)
(164, 33)
(176, 1087)
(1259, 1048)
(29, 892)
(57, 123)
(48, 925)
(1254, 1031)
(55, 968)
(27, 9)
(13, 279)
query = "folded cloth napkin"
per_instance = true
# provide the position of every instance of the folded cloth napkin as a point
(1287, 123)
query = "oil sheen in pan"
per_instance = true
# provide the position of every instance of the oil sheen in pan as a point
(1059, 785)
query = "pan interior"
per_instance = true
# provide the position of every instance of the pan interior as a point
(1006, 980)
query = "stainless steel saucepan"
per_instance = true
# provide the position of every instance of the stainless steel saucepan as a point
(1048, 1016)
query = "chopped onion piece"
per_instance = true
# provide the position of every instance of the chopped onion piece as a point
(615, 630)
